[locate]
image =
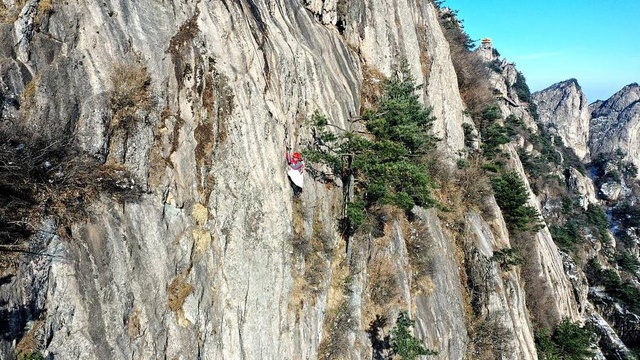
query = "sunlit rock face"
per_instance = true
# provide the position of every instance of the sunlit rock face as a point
(615, 126)
(563, 109)
(217, 259)
(206, 264)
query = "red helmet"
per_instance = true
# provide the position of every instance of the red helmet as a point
(297, 156)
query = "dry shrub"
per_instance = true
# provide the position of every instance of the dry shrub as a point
(10, 13)
(490, 339)
(420, 257)
(475, 185)
(28, 103)
(479, 281)
(45, 6)
(185, 35)
(177, 292)
(301, 245)
(473, 80)
(336, 344)
(540, 292)
(472, 72)
(40, 179)
(448, 194)
(316, 267)
(131, 93)
(425, 61)
(44, 10)
(371, 91)
(33, 340)
(383, 284)
(4, 13)
(133, 324)
(458, 190)
(317, 252)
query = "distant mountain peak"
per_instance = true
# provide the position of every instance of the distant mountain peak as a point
(564, 84)
(564, 110)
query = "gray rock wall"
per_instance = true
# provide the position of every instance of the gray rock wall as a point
(614, 125)
(202, 265)
(564, 110)
(404, 29)
(211, 262)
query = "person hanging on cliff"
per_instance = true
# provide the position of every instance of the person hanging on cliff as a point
(295, 171)
(295, 161)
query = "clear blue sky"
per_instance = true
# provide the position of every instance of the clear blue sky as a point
(595, 42)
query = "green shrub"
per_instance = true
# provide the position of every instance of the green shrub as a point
(567, 236)
(598, 219)
(511, 196)
(492, 137)
(567, 205)
(533, 110)
(546, 348)
(31, 356)
(627, 261)
(495, 66)
(469, 137)
(387, 168)
(521, 88)
(508, 257)
(626, 292)
(568, 341)
(403, 343)
(629, 170)
(462, 163)
(356, 213)
(627, 215)
(492, 167)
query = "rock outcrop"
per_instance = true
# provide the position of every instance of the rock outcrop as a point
(615, 126)
(505, 79)
(563, 109)
(581, 185)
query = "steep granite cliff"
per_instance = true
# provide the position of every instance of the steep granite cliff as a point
(564, 110)
(614, 125)
(602, 270)
(202, 250)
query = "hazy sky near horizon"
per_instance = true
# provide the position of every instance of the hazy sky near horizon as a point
(596, 42)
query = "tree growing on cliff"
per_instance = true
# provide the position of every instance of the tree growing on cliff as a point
(568, 341)
(386, 162)
(511, 196)
(403, 343)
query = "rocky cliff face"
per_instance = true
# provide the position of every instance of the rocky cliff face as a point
(216, 259)
(564, 111)
(614, 125)
(608, 182)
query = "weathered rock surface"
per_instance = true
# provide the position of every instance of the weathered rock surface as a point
(203, 265)
(563, 109)
(615, 125)
(547, 282)
(503, 305)
(216, 260)
(581, 185)
(503, 77)
(411, 30)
